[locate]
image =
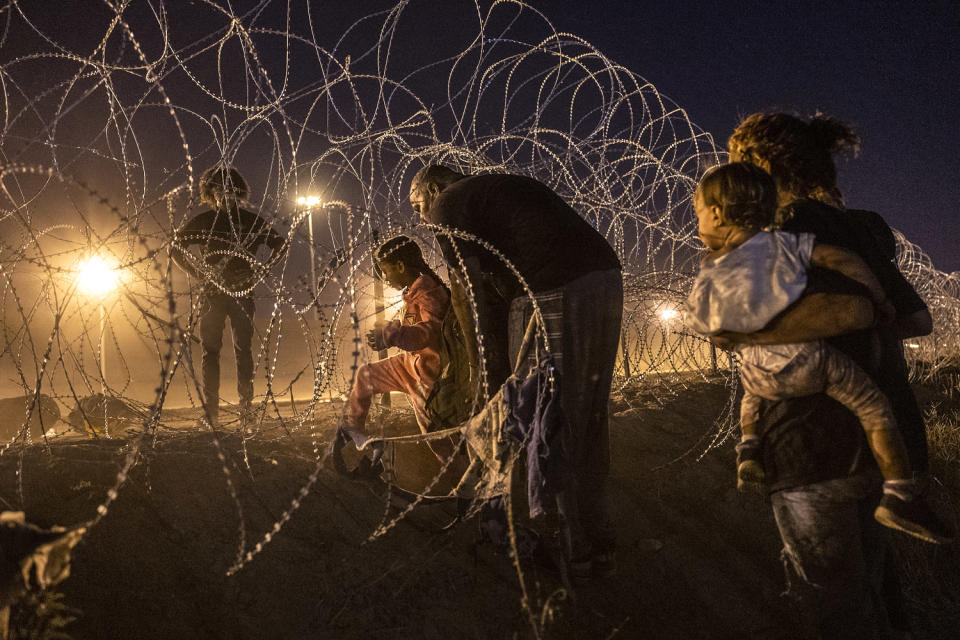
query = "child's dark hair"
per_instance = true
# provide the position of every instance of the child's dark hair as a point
(745, 193)
(406, 250)
(222, 187)
(799, 151)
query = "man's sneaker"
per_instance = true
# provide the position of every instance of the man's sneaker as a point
(913, 517)
(749, 469)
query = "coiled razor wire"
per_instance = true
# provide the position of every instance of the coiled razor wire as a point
(106, 128)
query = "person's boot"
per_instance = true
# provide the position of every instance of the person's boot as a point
(247, 418)
(210, 417)
(913, 517)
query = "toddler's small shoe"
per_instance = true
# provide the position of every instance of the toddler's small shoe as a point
(749, 468)
(913, 517)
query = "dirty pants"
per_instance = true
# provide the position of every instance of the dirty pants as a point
(217, 307)
(835, 556)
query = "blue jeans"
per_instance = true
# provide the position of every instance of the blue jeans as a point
(835, 556)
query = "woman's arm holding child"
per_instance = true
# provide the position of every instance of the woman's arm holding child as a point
(814, 316)
(852, 266)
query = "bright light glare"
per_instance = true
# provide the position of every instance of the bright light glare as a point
(308, 201)
(97, 277)
(394, 300)
(668, 313)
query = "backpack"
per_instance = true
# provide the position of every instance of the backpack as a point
(450, 402)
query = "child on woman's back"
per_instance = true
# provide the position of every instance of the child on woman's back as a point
(749, 277)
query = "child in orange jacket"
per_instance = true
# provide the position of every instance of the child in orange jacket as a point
(414, 370)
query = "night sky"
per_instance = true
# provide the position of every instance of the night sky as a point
(892, 69)
(889, 68)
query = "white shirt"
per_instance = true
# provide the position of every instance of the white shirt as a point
(743, 290)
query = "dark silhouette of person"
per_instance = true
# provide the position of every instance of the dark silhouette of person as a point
(229, 237)
(576, 278)
(825, 489)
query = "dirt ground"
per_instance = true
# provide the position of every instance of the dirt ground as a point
(696, 559)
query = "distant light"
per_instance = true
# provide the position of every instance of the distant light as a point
(308, 201)
(913, 345)
(668, 313)
(394, 300)
(97, 277)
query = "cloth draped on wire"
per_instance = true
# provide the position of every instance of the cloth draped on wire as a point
(525, 417)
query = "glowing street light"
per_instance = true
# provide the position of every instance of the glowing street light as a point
(98, 277)
(668, 313)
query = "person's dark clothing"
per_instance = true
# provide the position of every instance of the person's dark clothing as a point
(237, 230)
(835, 555)
(217, 307)
(583, 321)
(810, 439)
(531, 226)
(822, 477)
(222, 235)
(576, 277)
(830, 435)
(863, 232)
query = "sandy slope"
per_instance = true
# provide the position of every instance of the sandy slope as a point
(696, 559)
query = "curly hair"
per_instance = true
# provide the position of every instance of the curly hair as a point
(221, 187)
(798, 152)
(745, 193)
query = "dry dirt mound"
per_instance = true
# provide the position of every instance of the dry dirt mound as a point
(696, 559)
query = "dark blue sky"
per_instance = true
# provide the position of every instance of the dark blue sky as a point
(892, 69)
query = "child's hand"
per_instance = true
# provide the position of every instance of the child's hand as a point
(375, 339)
